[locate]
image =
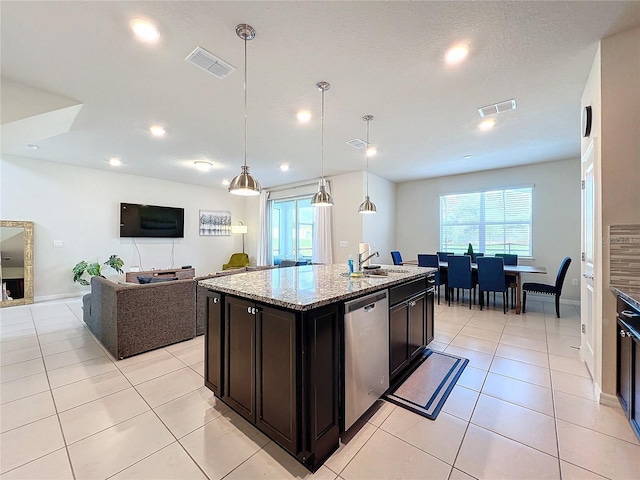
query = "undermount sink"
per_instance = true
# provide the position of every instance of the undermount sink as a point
(375, 272)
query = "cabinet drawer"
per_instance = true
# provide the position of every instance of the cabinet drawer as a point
(406, 290)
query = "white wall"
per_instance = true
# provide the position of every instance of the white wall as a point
(619, 165)
(379, 230)
(556, 214)
(347, 194)
(81, 207)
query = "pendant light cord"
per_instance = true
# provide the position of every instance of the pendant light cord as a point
(246, 116)
(366, 155)
(322, 135)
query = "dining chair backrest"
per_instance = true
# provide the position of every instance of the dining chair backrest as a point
(428, 260)
(442, 256)
(474, 256)
(459, 271)
(562, 272)
(509, 258)
(396, 257)
(491, 274)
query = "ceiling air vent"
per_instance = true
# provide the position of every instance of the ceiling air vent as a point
(357, 143)
(209, 62)
(497, 108)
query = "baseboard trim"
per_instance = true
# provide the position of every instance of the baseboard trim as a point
(608, 399)
(59, 296)
(551, 299)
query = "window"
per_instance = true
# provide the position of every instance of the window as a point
(496, 221)
(292, 224)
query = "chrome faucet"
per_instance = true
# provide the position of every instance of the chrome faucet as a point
(361, 261)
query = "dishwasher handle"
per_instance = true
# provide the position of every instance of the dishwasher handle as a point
(364, 302)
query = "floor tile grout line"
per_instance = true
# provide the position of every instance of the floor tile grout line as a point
(55, 406)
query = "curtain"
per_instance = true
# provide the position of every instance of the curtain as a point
(323, 233)
(263, 230)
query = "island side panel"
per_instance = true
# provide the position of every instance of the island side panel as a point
(321, 392)
(214, 342)
(277, 373)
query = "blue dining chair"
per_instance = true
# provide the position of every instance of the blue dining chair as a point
(396, 257)
(459, 276)
(510, 259)
(491, 278)
(442, 256)
(427, 260)
(548, 289)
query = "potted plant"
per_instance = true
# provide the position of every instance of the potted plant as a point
(95, 268)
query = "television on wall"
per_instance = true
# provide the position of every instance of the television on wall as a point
(151, 221)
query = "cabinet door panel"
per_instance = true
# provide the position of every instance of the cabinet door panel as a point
(624, 368)
(398, 334)
(240, 379)
(214, 344)
(417, 326)
(277, 371)
(430, 314)
(635, 392)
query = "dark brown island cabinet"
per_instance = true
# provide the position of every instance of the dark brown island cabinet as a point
(628, 381)
(282, 369)
(411, 312)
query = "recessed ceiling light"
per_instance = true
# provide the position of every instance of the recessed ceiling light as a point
(487, 124)
(225, 182)
(467, 157)
(456, 54)
(157, 130)
(144, 30)
(284, 167)
(304, 116)
(371, 151)
(115, 162)
(203, 165)
(32, 146)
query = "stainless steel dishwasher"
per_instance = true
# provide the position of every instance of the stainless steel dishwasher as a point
(366, 356)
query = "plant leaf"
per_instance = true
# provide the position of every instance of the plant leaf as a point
(94, 269)
(78, 270)
(116, 263)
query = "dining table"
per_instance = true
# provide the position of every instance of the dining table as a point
(514, 270)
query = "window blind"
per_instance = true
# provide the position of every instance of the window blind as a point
(495, 221)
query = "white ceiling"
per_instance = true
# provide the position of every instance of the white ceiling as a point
(381, 58)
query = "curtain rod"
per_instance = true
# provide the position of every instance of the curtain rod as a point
(293, 187)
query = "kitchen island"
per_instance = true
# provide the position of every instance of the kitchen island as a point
(275, 348)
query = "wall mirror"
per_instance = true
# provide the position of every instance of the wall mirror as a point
(16, 262)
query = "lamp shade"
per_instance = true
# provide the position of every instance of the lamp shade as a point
(367, 206)
(239, 229)
(244, 184)
(322, 198)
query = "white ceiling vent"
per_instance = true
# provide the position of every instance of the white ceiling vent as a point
(497, 108)
(357, 143)
(209, 62)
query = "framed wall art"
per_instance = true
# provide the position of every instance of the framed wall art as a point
(215, 222)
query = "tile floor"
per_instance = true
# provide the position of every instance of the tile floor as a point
(523, 409)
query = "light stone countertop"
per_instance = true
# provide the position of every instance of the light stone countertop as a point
(309, 286)
(629, 293)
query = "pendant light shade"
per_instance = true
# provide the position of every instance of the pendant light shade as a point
(322, 198)
(367, 206)
(244, 184)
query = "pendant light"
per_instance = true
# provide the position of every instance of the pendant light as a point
(367, 206)
(244, 184)
(322, 198)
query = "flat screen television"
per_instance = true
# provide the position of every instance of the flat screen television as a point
(151, 221)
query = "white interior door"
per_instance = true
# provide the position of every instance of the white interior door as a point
(587, 296)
